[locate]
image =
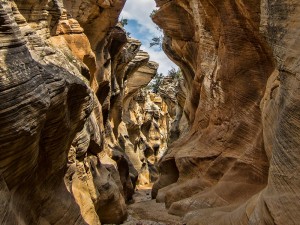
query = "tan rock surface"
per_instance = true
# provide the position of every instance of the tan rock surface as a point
(173, 92)
(77, 133)
(43, 107)
(55, 166)
(147, 124)
(235, 163)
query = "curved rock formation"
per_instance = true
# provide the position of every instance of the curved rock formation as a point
(61, 85)
(240, 62)
(173, 92)
(77, 133)
(43, 107)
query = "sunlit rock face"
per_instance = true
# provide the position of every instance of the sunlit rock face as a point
(173, 92)
(147, 123)
(240, 61)
(54, 168)
(64, 68)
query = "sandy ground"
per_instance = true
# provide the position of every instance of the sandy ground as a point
(145, 211)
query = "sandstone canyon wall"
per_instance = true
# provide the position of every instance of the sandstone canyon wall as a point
(239, 162)
(72, 149)
(78, 132)
(173, 92)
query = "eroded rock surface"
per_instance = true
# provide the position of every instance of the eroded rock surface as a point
(240, 60)
(77, 133)
(64, 68)
(147, 122)
(173, 92)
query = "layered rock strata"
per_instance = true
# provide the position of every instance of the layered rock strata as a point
(240, 60)
(173, 92)
(64, 69)
(147, 125)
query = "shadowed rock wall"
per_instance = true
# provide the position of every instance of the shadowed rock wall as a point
(240, 60)
(64, 67)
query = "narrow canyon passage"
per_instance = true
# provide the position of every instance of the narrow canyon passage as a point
(147, 211)
(96, 127)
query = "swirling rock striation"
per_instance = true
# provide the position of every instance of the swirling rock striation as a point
(240, 61)
(62, 82)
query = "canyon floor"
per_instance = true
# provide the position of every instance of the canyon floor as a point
(145, 211)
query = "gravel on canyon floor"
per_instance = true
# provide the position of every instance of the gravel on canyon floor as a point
(145, 211)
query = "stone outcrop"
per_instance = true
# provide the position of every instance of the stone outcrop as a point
(240, 61)
(131, 70)
(147, 125)
(66, 70)
(173, 92)
(77, 133)
(53, 167)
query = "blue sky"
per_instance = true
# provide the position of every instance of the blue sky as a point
(141, 27)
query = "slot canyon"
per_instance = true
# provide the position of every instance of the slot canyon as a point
(83, 140)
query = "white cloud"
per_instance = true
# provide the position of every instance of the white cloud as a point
(140, 10)
(165, 64)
